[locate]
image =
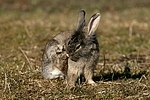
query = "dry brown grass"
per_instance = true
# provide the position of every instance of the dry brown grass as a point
(123, 71)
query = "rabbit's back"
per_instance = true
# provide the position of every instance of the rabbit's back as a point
(62, 37)
(92, 49)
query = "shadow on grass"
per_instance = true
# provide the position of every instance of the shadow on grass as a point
(115, 76)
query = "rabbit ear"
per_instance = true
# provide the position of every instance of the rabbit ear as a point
(81, 21)
(93, 23)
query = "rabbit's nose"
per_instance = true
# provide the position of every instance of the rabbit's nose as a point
(59, 49)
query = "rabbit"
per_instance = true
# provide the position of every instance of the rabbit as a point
(55, 57)
(83, 51)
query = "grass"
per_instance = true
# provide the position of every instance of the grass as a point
(123, 71)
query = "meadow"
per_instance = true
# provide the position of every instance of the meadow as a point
(123, 71)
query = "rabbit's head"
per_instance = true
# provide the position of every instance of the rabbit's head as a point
(73, 44)
(82, 32)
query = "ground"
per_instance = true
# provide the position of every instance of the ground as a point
(123, 71)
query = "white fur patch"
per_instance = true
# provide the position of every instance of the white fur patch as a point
(56, 72)
(50, 73)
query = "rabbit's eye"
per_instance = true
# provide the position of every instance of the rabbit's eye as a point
(78, 47)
